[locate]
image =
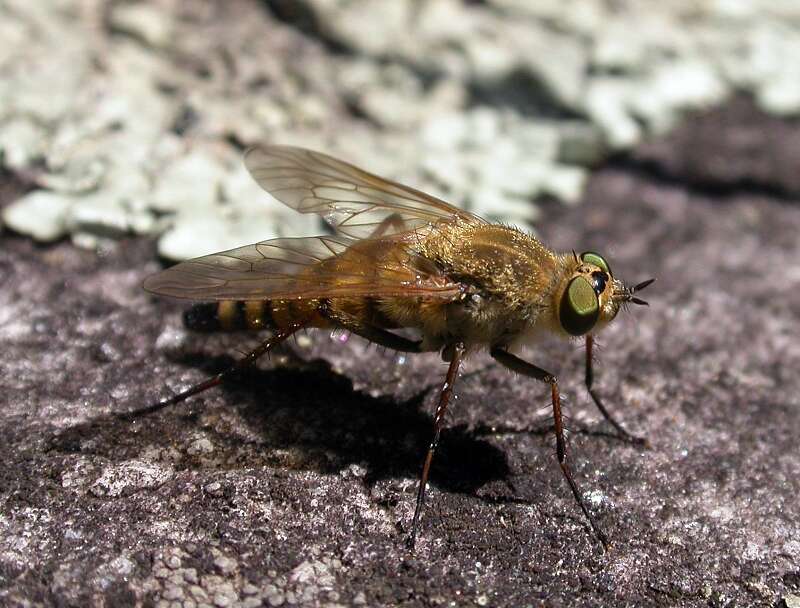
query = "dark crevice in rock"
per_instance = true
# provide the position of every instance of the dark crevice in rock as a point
(656, 172)
(14, 184)
(520, 91)
(301, 16)
(733, 148)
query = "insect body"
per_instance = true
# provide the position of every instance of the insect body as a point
(399, 258)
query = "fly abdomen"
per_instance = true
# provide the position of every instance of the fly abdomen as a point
(202, 317)
(253, 315)
(230, 316)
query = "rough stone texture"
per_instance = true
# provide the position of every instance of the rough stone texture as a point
(295, 485)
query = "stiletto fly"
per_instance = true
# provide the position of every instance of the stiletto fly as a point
(401, 259)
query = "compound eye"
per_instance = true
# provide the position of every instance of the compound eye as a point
(579, 307)
(590, 257)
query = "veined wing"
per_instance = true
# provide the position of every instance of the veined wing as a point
(312, 267)
(356, 203)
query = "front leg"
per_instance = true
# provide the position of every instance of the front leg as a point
(520, 366)
(596, 398)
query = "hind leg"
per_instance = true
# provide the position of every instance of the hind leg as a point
(281, 335)
(370, 332)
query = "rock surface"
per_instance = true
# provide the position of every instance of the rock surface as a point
(295, 485)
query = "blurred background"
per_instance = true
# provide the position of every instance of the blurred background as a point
(122, 118)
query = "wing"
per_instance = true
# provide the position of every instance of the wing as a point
(313, 267)
(356, 203)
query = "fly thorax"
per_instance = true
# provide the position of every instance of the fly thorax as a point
(482, 319)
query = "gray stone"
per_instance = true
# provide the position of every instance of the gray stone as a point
(191, 182)
(143, 21)
(41, 215)
(200, 446)
(559, 61)
(791, 600)
(147, 133)
(678, 86)
(22, 142)
(200, 234)
(225, 565)
(214, 488)
(130, 476)
(173, 593)
(565, 183)
(131, 120)
(608, 104)
(781, 94)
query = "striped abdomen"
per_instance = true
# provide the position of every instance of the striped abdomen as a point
(253, 315)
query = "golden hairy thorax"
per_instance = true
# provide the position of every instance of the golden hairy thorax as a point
(499, 261)
(507, 279)
(509, 276)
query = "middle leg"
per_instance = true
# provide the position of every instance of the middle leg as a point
(438, 423)
(280, 335)
(520, 366)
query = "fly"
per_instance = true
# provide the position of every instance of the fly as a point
(400, 259)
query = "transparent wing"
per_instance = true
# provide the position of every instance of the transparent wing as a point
(313, 267)
(356, 203)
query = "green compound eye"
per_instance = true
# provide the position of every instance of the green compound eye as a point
(579, 307)
(590, 257)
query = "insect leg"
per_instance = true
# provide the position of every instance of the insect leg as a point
(597, 401)
(386, 339)
(438, 422)
(528, 369)
(369, 332)
(395, 221)
(250, 358)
